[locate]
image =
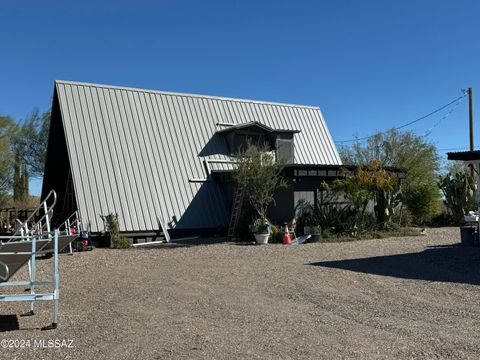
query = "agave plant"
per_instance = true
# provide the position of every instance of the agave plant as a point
(338, 219)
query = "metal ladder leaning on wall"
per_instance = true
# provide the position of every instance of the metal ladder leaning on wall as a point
(236, 211)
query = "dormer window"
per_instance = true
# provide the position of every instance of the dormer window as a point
(284, 148)
(278, 140)
(240, 141)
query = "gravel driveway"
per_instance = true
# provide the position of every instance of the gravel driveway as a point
(400, 298)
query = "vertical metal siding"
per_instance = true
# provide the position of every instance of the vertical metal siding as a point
(133, 151)
(117, 153)
(163, 146)
(119, 136)
(105, 160)
(154, 158)
(133, 162)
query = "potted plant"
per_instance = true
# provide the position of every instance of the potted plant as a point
(258, 174)
(276, 236)
(261, 230)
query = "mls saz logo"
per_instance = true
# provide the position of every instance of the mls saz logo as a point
(54, 344)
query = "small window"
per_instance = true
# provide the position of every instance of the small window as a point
(240, 142)
(285, 150)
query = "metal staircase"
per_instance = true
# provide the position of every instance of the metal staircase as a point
(73, 225)
(39, 221)
(236, 212)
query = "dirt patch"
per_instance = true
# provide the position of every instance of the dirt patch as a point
(411, 297)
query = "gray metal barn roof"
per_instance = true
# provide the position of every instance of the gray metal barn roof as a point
(138, 152)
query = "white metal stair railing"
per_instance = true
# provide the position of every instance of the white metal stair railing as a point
(71, 226)
(15, 254)
(38, 228)
(45, 211)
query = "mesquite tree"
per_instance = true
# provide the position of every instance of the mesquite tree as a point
(414, 154)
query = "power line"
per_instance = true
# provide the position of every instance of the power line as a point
(411, 122)
(447, 114)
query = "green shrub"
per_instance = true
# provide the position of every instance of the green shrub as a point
(117, 240)
(444, 219)
(403, 217)
(423, 201)
(276, 236)
(328, 234)
(120, 242)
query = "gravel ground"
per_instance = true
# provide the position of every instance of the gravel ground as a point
(399, 298)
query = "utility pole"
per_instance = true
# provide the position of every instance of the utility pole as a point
(472, 146)
(470, 107)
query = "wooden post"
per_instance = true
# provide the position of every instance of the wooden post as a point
(470, 107)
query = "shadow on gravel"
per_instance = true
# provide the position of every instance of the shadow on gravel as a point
(9, 323)
(449, 263)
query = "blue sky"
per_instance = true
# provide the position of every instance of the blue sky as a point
(370, 65)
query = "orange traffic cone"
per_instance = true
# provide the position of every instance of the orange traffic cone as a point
(287, 240)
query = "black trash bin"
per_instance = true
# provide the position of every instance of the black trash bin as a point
(469, 235)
